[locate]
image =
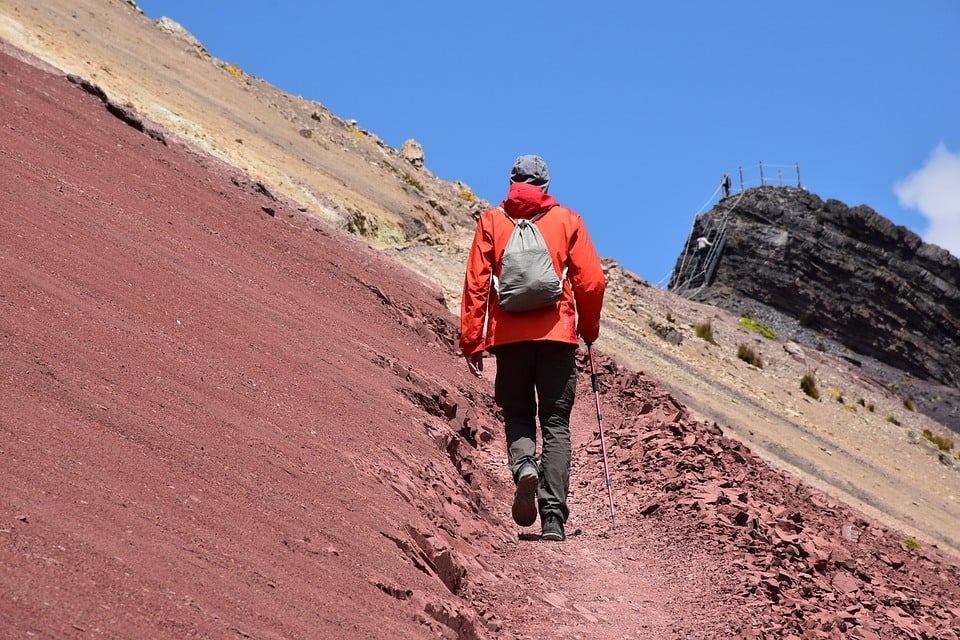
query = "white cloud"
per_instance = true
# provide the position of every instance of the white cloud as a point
(934, 191)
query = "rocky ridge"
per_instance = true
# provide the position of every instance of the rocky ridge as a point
(823, 269)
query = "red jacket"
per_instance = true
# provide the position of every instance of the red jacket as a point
(577, 312)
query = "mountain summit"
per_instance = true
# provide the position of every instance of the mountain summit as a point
(841, 272)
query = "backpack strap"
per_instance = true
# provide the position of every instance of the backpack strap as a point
(529, 220)
(538, 216)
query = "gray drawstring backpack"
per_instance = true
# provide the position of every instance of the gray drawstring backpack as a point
(527, 278)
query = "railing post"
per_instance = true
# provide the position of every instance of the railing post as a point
(762, 183)
(798, 176)
(780, 176)
(741, 178)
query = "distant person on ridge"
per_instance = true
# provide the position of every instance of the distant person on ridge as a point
(535, 349)
(726, 185)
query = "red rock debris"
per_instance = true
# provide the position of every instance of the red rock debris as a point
(809, 566)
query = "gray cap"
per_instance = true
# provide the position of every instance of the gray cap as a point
(531, 169)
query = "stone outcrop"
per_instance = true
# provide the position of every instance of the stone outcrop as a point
(845, 272)
(412, 152)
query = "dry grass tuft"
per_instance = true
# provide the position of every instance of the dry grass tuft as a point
(748, 355)
(705, 332)
(942, 443)
(809, 386)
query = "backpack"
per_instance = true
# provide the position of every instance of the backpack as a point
(527, 279)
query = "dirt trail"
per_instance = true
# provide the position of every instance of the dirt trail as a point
(638, 578)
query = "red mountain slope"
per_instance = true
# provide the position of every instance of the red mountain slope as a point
(221, 418)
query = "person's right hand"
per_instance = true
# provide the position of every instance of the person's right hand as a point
(475, 363)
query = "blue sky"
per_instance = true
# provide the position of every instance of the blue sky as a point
(638, 107)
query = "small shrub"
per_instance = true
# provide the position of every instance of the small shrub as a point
(467, 196)
(756, 327)
(747, 354)
(413, 182)
(893, 420)
(942, 443)
(704, 331)
(911, 543)
(809, 386)
(233, 70)
(909, 404)
(836, 395)
(670, 318)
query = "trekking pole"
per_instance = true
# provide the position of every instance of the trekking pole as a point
(603, 444)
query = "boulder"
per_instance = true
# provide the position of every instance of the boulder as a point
(412, 152)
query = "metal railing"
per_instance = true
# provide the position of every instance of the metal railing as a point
(701, 255)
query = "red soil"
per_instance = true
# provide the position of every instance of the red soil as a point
(220, 417)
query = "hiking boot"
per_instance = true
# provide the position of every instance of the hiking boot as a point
(525, 499)
(553, 529)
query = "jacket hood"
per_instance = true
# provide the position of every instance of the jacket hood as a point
(526, 200)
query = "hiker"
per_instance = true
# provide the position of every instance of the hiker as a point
(535, 350)
(701, 253)
(726, 185)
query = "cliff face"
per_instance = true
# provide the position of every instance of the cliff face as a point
(845, 272)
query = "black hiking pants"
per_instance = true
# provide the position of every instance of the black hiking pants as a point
(538, 379)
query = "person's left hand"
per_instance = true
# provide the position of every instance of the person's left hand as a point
(475, 362)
